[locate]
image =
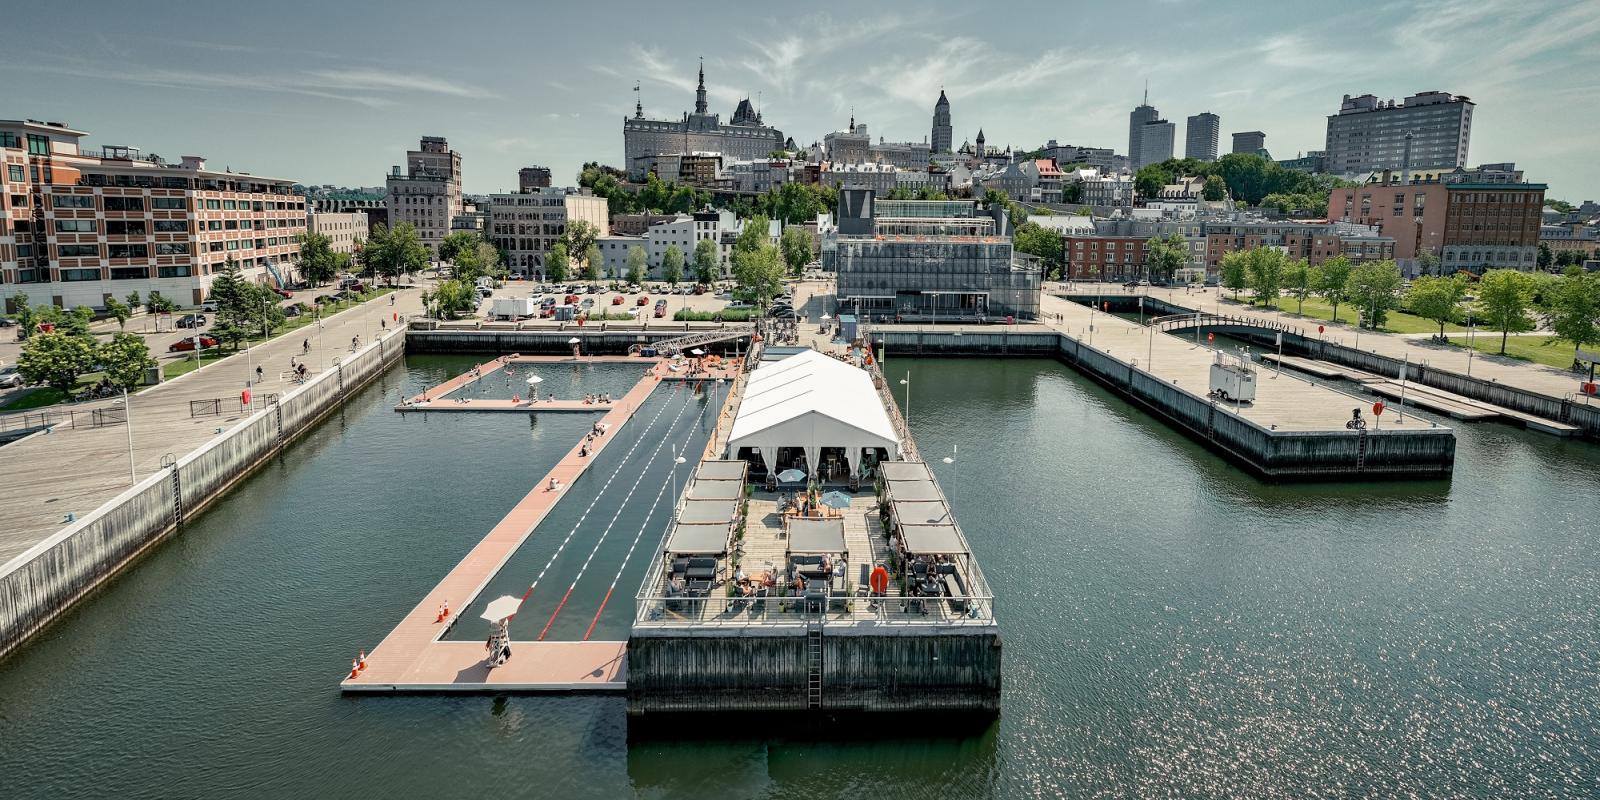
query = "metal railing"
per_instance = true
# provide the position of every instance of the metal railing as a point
(83, 418)
(217, 406)
(720, 610)
(1204, 319)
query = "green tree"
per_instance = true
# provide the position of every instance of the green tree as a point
(133, 301)
(579, 237)
(556, 264)
(1437, 299)
(55, 359)
(126, 358)
(1504, 300)
(157, 304)
(457, 243)
(1300, 279)
(1215, 188)
(1264, 267)
(27, 320)
(1037, 240)
(453, 297)
(753, 235)
(318, 263)
(392, 252)
(1335, 284)
(672, 265)
(1545, 257)
(706, 261)
(1150, 179)
(795, 243)
(759, 274)
(1571, 310)
(231, 294)
(1375, 289)
(1165, 255)
(592, 262)
(1235, 272)
(118, 311)
(637, 259)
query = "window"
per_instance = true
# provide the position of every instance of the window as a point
(233, 245)
(19, 200)
(75, 226)
(172, 272)
(171, 203)
(214, 247)
(213, 204)
(16, 173)
(172, 248)
(231, 225)
(227, 205)
(39, 146)
(80, 274)
(117, 227)
(129, 273)
(128, 251)
(172, 226)
(11, 140)
(124, 203)
(24, 251)
(73, 201)
(78, 250)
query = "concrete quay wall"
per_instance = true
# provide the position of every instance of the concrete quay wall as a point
(872, 670)
(544, 341)
(39, 585)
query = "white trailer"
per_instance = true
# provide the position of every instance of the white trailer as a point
(512, 308)
(1233, 378)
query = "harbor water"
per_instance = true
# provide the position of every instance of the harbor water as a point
(1173, 627)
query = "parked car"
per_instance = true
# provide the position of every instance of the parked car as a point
(7, 322)
(283, 293)
(571, 299)
(324, 300)
(293, 310)
(588, 302)
(10, 378)
(617, 301)
(186, 345)
(209, 306)
(644, 300)
(191, 320)
(661, 311)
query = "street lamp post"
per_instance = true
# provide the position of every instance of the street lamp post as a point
(675, 463)
(127, 421)
(906, 382)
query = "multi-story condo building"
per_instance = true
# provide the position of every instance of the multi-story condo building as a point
(1200, 136)
(80, 225)
(921, 260)
(1427, 130)
(1155, 142)
(1104, 190)
(345, 230)
(745, 137)
(527, 224)
(943, 134)
(1315, 242)
(683, 231)
(428, 194)
(1114, 249)
(1252, 142)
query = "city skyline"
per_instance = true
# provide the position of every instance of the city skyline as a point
(337, 103)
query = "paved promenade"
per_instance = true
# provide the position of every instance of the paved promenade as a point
(66, 471)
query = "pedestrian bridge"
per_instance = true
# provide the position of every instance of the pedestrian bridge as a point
(1246, 327)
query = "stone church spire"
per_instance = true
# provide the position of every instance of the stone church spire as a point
(700, 92)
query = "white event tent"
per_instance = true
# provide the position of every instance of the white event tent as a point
(812, 401)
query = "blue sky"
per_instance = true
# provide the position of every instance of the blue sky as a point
(331, 92)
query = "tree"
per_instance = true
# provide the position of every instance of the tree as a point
(392, 252)
(1504, 296)
(795, 243)
(230, 292)
(119, 311)
(592, 261)
(1300, 279)
(1375, 288)
(1165, 255)
(706, 258)
(453, 297)
(1037, 240)
(1545, 256)
(1335, 284)
(759, 274)
(133, 301)
(556, 264)
(1572, 310)
(672, 265)
(1264, 267)
(55, 359)
(1437, 299)
(318, 262)
(1427, 263)
(1150, 180)
(126, 358)
(157, 304)
(637, 259)
(1235, 272)
(457, 243)
(1215, 189)
(579, 237)
(752, 235)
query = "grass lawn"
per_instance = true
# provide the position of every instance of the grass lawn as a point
(1538, 349)
(1318, 309)
(41, 396)
(173, 369)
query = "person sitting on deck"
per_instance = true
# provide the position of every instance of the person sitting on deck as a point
(555, 485)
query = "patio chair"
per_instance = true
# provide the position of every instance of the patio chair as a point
(864, 581)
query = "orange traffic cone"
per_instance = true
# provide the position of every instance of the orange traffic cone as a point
(362, 661)
(355, 669)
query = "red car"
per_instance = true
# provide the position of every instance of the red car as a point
(661, 311)
(187, 344)
(616, 301)
(644, 300)
(570, 300)
(282, 293)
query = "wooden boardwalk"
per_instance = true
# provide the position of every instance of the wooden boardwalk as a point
(411, 657)
(518, 406)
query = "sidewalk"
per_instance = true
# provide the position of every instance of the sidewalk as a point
(75, 471)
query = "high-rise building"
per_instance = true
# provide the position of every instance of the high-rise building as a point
(428, 194)
(1136, 122)
(744, 138)
(79, 226)
(525, 225)
(1429, 130)
(943, 134)
(533, 178)
(1200, 136)
(1252, 142)
(1155, 142)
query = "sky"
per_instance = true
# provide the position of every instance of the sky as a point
(335, 93)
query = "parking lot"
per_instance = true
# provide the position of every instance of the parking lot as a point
(597, 300)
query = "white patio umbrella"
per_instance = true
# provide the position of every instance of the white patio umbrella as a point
(697, 352)
(533, 379)
(574, 340)
(501, 608)
(792, 475)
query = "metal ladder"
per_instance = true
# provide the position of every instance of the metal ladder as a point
(177, 499)
(814, 660)
(277, 409)
(1361, 450)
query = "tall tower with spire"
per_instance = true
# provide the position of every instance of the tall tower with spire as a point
(700, 91)
(942, 132)
(1137, 119)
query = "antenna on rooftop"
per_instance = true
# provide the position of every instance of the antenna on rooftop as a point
(1146, 91)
